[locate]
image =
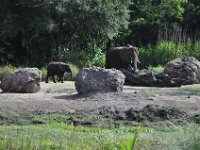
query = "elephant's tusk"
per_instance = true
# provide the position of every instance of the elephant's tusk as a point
(131, 60)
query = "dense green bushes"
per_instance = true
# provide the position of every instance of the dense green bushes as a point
(35, 32)
(165, 51)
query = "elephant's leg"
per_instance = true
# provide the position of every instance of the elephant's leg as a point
(47, 81)
(135, 65)
(59, 78)
(62, 78)
(53, 79)
(47, 78)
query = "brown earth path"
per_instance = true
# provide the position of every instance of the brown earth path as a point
(55, 98)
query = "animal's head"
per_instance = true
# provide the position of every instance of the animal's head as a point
(68, 70)
(129, 53)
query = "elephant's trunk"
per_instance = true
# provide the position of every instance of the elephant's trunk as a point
(68, 70)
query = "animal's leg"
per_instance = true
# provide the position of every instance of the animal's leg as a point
(62, 78)
(47, 81)
(47, 78)
(53, 79)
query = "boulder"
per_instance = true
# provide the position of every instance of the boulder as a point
(25, 80)
(139, 78)
(185, 70)
(148, 78)
(99, 80)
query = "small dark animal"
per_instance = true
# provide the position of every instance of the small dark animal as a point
(122, 57)
(57, 68)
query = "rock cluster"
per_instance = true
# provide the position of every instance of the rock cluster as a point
(180, 71)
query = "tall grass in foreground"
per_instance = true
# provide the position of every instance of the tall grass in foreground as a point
(62, 136)
(171, 137)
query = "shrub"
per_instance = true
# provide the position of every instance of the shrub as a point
(74, 69)
(44, 73)
(195, 50)
(158, 69)
(6, 69)
(166, 51)
(145, 56)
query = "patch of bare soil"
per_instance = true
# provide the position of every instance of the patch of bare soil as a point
(63, 98)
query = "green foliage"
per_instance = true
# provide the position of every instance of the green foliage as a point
(148, 18)
(74, 70)
(131, 142)
(44, 73)
(43, 31)
(93, 56)
(6, 69)
(151, 92)
(192, 48)
(63, 136)
(167, 51)
(158, 69)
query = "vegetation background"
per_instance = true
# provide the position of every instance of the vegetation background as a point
(35, 32)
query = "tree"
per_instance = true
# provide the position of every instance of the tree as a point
(148, 17)
(57, 29)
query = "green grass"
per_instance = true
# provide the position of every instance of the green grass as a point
(176, 137)
(64, 136)
(151, 92)
(56, 131)
(6, 69)
(191, 90)
(44, 73)
(158, 69)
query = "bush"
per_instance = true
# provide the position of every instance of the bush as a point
(6, 69)
(44, 73)
(75, 70)
(158, 69)
(145, 56)
(167, 51)
(195, 50)
(161, 53)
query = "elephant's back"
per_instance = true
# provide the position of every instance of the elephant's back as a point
(55, 67)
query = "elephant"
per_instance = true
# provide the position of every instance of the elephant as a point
(122, 57)
(57, 68)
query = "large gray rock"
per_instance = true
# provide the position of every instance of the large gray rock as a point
(186, 69)
(99, 80)
(25, 80)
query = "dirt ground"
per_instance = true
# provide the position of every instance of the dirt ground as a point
(62, 97)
